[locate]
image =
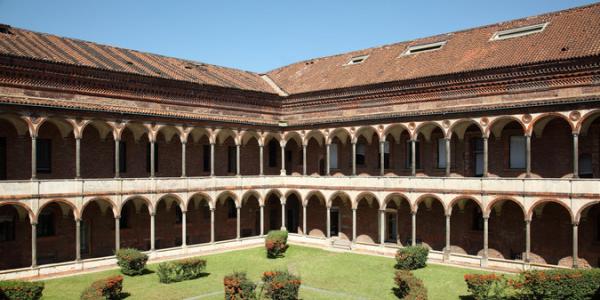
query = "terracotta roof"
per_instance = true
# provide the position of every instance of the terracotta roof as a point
(52, 48)
(569, 34)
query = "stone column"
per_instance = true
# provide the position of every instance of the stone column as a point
(528, 155)
(304, 219)
(353, 225)
(575, 245)
(447, 248)
(304, 171)
(33, 245)
(183, 146)
(261, 171)
(152, 232)
(327, 159)
(77, 239)
(77, 157)
(381, 158)
(152, 158)
(282, 199)
(382, 227)
(117, 159)
(262, 219)
(485, 156)
(183, 228)
(328, 222)
(238, 216)
(117, 234)
(413, 215)
(212, 225)
(212, 159)
(282, 171)
(527, 240)
(413, 157)
(237, 160)
(353, 158)
(448, 163)
(575, 155)
(484, 259)
(33, 158)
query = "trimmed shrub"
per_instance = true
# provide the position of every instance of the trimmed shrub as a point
(22, 290)
(281, 285)
(411, 258)
(488, 286)
(408, 286)
(180, 270)
(276, 243)
(131, 261)
(561, 284)
(239, 287)
(108, 288)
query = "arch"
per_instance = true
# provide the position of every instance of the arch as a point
(197, 133)
(64, 127)
(137, 130)
(316, 193)
(275, 192)
(200, 196)
(30, 214)
(222, 134)
(425, 196)
(170, 196)
(488, 209)
(395, 130)
(497, 125)
(169, 132)
(538, 124)
(463, 197)
(364, 132)
(17, 122)
(539, 202)
(247, 135)
(340, 194)
(133, 198)
(393, 197)
(583, 208)
(271, 135)
(222, 196)
(586, 120)
(426, 128)
(112, 205)
(293, 191)
(104, 128)
(315, 134)
(292, 135)
(461, 126)
(76, 212)
(368, 196)
(341, 133)
(250, 193)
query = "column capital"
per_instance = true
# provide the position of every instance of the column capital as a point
(34, 224)
(152, 214)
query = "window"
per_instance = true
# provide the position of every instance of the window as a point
(273, 146)
(386, 156)
(333, 156)
(477, 219)
(206, 158)
(423, 48)
(124, 219)
(585, 166)
(44, 155)
(7, 228)
(478, 156)
(517, 152)
(409, 154)
(517, 32)
(360, 154)
(178, 214)
(148, 158)
(231, 209)
(45, 226)
(357, 60)
(441, 153)
(231, 159)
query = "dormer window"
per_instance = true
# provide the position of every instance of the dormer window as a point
(357, 60)
(424, 48)
(517, 32)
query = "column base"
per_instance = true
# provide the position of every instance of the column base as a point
(446, 255)
(484, 262)
(282, 173)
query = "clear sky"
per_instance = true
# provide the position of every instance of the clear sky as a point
(261, 35)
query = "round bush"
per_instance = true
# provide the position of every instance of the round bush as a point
(411, 258)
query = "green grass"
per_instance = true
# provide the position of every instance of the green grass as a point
(349, 275)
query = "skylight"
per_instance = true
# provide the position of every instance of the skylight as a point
(357, 60)
(517, 32)
(424, 48)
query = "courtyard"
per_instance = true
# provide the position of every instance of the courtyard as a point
(324, 274)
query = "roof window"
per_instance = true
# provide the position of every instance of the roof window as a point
(357, 60)
(517, 32)
(424, 48)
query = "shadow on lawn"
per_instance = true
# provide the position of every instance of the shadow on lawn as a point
(466, 297)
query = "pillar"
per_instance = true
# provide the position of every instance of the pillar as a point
(381, 158)
(183, 146)
(575, 155)
(304, 171)
(261, 171)
(33, 158)
(262, 219)
(527, 240)
(485, 156)
(77, 157)
(447, 248)
(328, 222)
(484, 259)
(212, 225)
(212, 158)
(152, 158)
(575, 246)
(117, 158)
(238, 231)
(117, 233)
(304, 219)
(77, 239)
(413, 157)
(282, 199)
(448, 163)
(183, 228)
(33, 244)
(528, 155)
(353, 158)
(282, 172)
(237, 160)
(152, 232)
(413, 215)
(327, 159)
(353, 225)
(382, 227)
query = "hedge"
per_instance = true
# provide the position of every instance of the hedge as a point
(281, 285)
(408, 286)
(276, 243)
(108, 288)
(411, 257)
(131, 261)
(22, 290)
(490, 286)
(239, 287)
(180, 270)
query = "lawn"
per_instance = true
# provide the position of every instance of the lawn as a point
(325, 275)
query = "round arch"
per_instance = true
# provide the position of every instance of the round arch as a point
(586, 120)
(19, 205)
(426, 128)
(318, 195)
(340, 194)
(538, 124)
(246, 196)
(315, 134)
(199, 196)
(497, 125)
(111, 204)
(488, 209)
(18, 123)
(583, 208)
(426, 196)
(369, 196)
(366, 131)
(460, 127)
(247, 135)
(341, 133)
(170, 196)
(222, 196)
(539, 202)
(137, 197)
(456, 199)
(76, 212)
(168, 132)
(398, 198)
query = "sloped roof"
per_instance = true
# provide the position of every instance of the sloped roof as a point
(569, 34)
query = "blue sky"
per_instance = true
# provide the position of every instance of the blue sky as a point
(261, 35)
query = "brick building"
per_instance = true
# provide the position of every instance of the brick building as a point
(483, 144)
